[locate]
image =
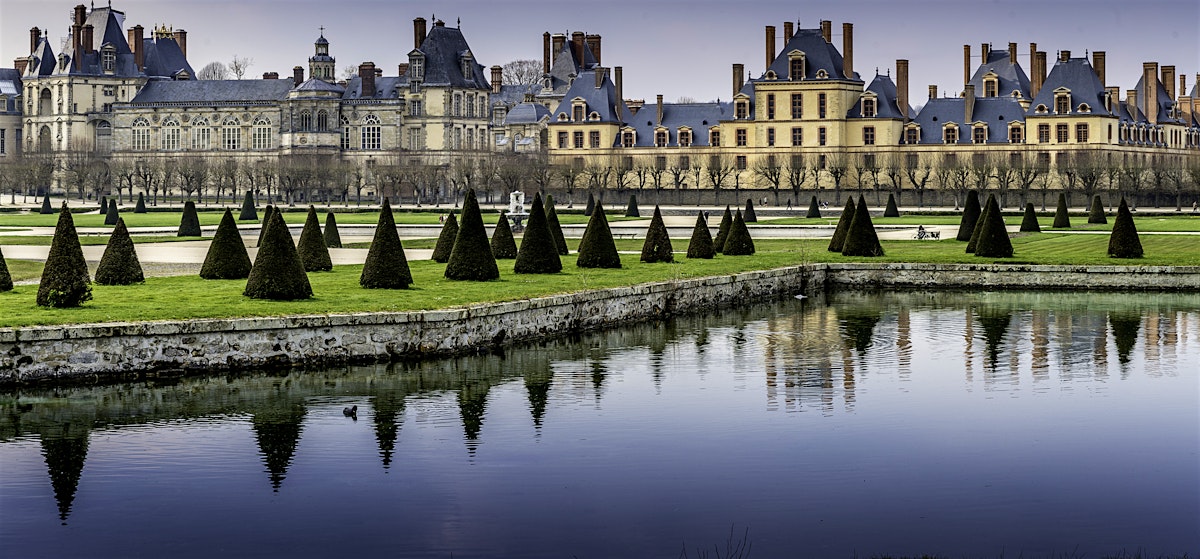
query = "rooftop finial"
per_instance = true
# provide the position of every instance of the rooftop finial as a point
(322, 30)
(459, 22)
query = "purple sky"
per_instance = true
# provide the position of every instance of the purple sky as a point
(673, 47)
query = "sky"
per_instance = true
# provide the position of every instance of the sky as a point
(676, 48)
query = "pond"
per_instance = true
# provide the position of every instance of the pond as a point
(848, 425)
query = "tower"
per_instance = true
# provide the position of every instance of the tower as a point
(321, 66)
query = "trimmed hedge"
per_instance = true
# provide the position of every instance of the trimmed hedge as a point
(65, 281)
(313, 252)
(248, 212)
(738, 243)
(1124, 241)
(993, 239)
(6, 283)
(891, 210)
(970, 217)
(278, 274)
(723, 230)
(555, 229)
(104, 205)
(843, 226)
(227, 257)
(814, 208)
(46, 207)
(504, 246)
(445, 242)
(112, 214)
(140, 208)
(591, 205)
(701, 243)
(538, 253)
(1029, 223)
(597, 249)
(386, 266)
(978, 229)
(333, 239)
(1061, 219)
(266, 219)
(189, 224)
(119, 265)
(749, 216)
(632, 209)
(471, 257)
(1096, 214)
(657, 246)
(861, 239)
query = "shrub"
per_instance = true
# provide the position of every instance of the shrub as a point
(891, 210)
(993, 239)
(597, 249)
(1061, 219)
(6, 283)
(701, 244)
(538, 254)
(738, 243)
(248, 211)
(333, 239)
(970, 217)
(445, 242)
(632, 209)
(189, 225)
(119, 265)
(112, 214)
(65, 280)
(386, 266)
(46, 207)
(843, 226)
(555, 229)
(591, 205)
(313, 252)
(814, 208)
(140, 208)
(277, 274)
(723, 230)
(861, 239)
(266, 219)
(749, 216)
(657, 247)
(978, 229)
(503, 244)
(1124, 241)
(227, 257)
(471, 258)
(1029, 223)
(104, 205)
(1096, 215)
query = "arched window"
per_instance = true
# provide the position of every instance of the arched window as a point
(370, 135)
(201, 134)
(345, 122)
(322, 120)
(262, 135)
(170, 134)
(231, 134)
(305, 121)
(140, 139)
(103, 136)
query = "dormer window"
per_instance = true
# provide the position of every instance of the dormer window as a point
(1084, 108)
(979, 134)
(562, 117)
(685, 137)
(577, 111)
(742, 109)
(950, 134)
(991, 85)
(821, 74)
(627, 139)
(1062, 103)
(660, 138)
(1041, 109)
(416, 67)
(869, 105)
(594, 116)
(108, 59)
(468, 64)
(796, 63)
(912, 134)
(714, 137)
(771, 75)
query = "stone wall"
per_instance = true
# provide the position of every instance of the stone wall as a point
(1015, 276)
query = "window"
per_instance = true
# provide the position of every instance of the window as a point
(1081, 133)
(868, 107)
(660, 138)
(3, 133)
(1044, 133)
(467, 65)
(821, 136)
(1043, 160)
(950, 135)
(821, 161)
(108, 59)
(170, 134)
(770, 136)
(869, 161)
(562, 140)
(414, 107)
(912, 160)
(990, 87)
(797, 105)
(140, 140)
(470, 106)
(1014, 135)
(740, 137)
(742, 109)
(594, 139)
(1061, 133)
(231, 134)
(456, 110)
(577, 113)
(369, 133)
(416, 67)
(821, 98)
(345, 123)
(627, 139)
(322, 120)
(796, 68)
(685, 162)
(797, 136)
(201, 134)
(660, 162)
(911, 136)
(868, 135)
(305, 121)
(979, 135)
(1062, 104)
(714, 137)
(770, 106)
(741, 162)
(577, 139)
(685, 138)
(262, 137)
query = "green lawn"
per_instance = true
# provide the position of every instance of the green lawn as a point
(1148, 224)
(90, 240)
(24, 270)
(293, 216)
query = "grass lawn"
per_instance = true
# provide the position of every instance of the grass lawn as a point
(1148, 224)
(24, 270)
(90, 240)
(294, 216)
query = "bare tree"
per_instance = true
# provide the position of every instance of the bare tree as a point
(797, 173)
(720, 166)
(769, 171)
(523, 72)
(539, 171)
(213, 71)
(837, 166)
(569, 175)
(1005, 175)
(193, 172)
(979, 173)
(1132, 175)
(679, 173)
(918, 173)
(1027, 172)
(893, 169)
(240, 65)
(349, 72)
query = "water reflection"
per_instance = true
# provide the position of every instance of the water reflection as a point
(65, 449)
(277, 424)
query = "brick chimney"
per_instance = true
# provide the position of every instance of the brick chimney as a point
(77, 45)
(558, 41)
(1112, 98)
(966, 63)
(593, 44)
(659, 114)
(599, 73)
(788, 32)
(619, 81)
(297, 76)
(1168, 80)
(80, 14)
(933, 91)
(848, 50)
(827, 30)
(1064, 55)
(366, 73)
(577, 42)
(181, 40)
(418, 32)
(35, 37)
(139, 50)
(1012, 53)
(1098, 65)
(88, 34)
(1131, 103)
(497, 78)
(770, 46)
(270, 75)
(968, 103)
(22, 63)
(402, 69)
(546, 52)
(739, 75)
(902, 87)
(1149, 92)
(985, 50)
(1039, 72)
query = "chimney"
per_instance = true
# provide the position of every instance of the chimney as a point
(88, 34)
(270, 75)
(593, 44)
(1149, 92)
(1098, 65)
(600, 74)
(827, 30)
(902, 87)
(968, 103)
(1039, 72)
(933, 91)
(577, 40)
(80, 14)
(139, 50)
(1168, 80)
(558, 41)
(366, 72)
(658, 115)
(297, 76)
(402, 69)
(181, 40)
(739, 73)
(770, 44)
(1182, 86)
(77, 44)
(497, 79)
(1112, 98)
(418, 32)
(986, 50)
(788, 32)
(966, 63)
(1131, 103)
(546, 52)
(848, 50)
(1064, 55)
(1012, 53)
(620, 83)
(35, 37)
(21, 63)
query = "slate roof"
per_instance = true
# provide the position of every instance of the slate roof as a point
(44, 60)
(443, 49)
(996, 112)
(697, 116)
(526, 113)
(602, 100)
(10, 83)
(1010, 75)
(1077, 75)
(1165, 102)
(886, 105)
(212, 91)
(512, 94)
(818, 54)
(566, 64)
(164, 58)
(386, 87)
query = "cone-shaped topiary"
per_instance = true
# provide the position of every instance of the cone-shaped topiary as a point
(471, 258)
(111, 214)
(978, 229)
(445, 242)
(843, 226)
(891, 210)
(266, 219)
(104, 205)
(597, 249)
(861, 239)
(538, 254)
(749, 216)
(248, 212)
(632, 209)
(386, 266)
(993, 239)
(119, 265)
(1029, 223)
(313, 252)
(46, 207)
(503, 244)
(555, 229)
(657, 247)
(65, 280)
(189, 224)
(333, 239)
(1124, 241)
(738, 243)
(1096, 215)
(814, 208)
(970, 216)
(278, 273)
(1061, 219)
(701, 244)
(6, 283)
(591, 205)
(227, 257)
(140, 208)
(723, 230)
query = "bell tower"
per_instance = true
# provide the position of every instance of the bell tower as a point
(321, 66)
